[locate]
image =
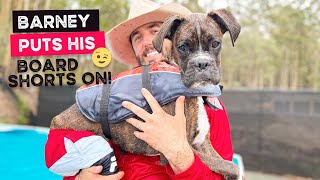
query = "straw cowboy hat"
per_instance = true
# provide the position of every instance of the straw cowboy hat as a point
(141, 12)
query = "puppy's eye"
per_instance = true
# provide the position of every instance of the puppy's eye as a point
(215, 44)
(183, 48)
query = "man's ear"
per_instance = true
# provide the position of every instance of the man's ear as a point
(226, 22)
(167, 30)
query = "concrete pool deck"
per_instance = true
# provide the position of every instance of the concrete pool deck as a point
(253, 175)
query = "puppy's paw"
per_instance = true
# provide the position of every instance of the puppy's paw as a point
(234, 178)
(233, 172)
(231, 178)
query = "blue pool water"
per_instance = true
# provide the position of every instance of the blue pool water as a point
(22, 155)
(235, 161)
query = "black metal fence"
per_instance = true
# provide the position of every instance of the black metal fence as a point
(52, 101)
(276, 131)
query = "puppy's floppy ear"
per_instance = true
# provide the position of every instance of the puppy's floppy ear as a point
(226, 22)
(168, 28)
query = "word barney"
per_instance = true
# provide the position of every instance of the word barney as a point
(49, 21)
(55, 20)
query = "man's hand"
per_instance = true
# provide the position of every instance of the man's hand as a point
(92, 173)
(165, 133)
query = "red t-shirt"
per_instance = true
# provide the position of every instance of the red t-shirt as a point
(139, 167)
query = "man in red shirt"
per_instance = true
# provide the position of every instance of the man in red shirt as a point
(131, 43)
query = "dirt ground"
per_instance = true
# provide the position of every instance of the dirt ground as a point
(251, 175)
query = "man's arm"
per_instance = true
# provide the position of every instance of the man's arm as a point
(167, 134)
(220, 138)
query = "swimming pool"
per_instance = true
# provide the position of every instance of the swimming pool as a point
(22, 153)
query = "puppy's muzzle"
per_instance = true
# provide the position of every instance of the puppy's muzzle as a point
(202, 65)
(202, 62)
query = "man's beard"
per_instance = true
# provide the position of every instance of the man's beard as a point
(141, 59)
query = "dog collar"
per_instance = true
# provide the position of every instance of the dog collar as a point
(212, 102)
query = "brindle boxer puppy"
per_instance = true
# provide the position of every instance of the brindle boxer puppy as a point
(196, 45)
